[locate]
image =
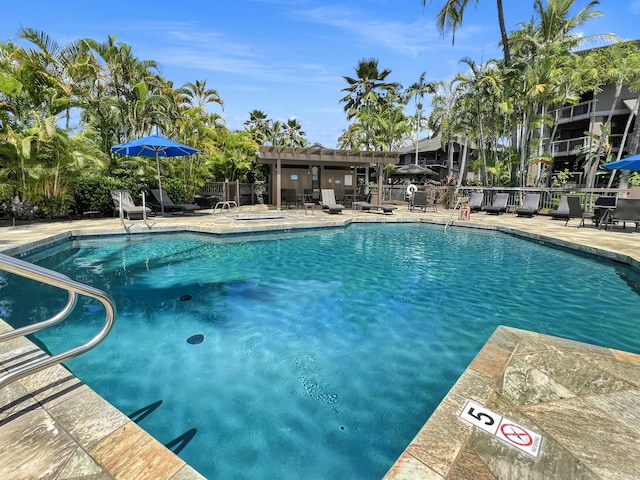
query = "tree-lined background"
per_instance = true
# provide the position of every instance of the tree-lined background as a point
(62, 108)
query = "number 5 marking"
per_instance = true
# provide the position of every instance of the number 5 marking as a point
(479, 416)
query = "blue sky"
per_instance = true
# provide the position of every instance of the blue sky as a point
(288, 57)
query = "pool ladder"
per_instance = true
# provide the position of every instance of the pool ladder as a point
(73, 288)
(453, 213)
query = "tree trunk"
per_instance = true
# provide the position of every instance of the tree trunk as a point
(540, 146)
(633, 113)
(503, 34)
(592, 119)
(463, 161)
(633, 149)
(450, 157)
(594, 168)
(523, 149)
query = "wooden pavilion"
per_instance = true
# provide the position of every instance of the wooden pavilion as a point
(310, 169)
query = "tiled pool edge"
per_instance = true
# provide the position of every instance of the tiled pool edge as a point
(448, 447)
(54, 426)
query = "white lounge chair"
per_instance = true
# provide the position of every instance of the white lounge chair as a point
(122, 199)
(329, 201)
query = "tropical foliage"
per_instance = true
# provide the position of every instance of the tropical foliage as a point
(62, 108)
(502, 107)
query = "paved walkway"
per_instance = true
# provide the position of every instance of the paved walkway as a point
(583, 400)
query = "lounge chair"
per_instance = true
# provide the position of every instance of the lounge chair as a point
(627, 210)
(367, 206)
(562, 212)
(424, 199)
(576, 211)
(329, 201)
(167, 205)
(499, 204)
(475, 201)
(129, 208)
(530, 206)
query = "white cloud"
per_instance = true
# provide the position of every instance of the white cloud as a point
(409, 39)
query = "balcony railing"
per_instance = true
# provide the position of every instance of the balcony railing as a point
(572, 146)
(574, 112)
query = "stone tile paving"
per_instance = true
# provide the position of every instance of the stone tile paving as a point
(584, 400)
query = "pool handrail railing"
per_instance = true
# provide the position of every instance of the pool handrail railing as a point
(56, 279)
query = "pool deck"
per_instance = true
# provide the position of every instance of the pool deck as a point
(582, 400)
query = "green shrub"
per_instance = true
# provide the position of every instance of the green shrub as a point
(92, 193)
(176, 189)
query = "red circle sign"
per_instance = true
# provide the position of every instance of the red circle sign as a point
(516, 434)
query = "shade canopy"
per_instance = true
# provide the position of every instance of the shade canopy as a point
(413, 169)
(154, 146)
(629, 163)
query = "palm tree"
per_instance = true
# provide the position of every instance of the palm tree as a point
(197, 94)
(544, 66)
(258, 126)
(443, 118)
(450, 18)
(294, 133)
(478, 87)
(387, 126)
(418, 90)
(368, 88)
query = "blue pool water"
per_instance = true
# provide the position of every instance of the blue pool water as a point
(321, 353)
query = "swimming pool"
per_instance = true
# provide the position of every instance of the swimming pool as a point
(324, 352)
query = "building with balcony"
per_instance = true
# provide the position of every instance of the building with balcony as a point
(574, 122)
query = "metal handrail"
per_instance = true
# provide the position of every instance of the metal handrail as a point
(453, 212)
(50, 277)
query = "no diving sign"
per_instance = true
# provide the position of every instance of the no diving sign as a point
(503, 428)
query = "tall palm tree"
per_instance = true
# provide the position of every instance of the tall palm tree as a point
(258, 126)
(58, 72)
(197, 94)
(443, 118)
(479, 87)
(556, 28)
(294, 133)
(450, 18)
(418, 90)
(367, 88)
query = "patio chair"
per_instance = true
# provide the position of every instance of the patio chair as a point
(562, 212)
(475, 201)
(129, 208)
(288, 197)
(424, 199)
(530, 206)
(329, 201)
(627, 210)
(499, 204)
(576, 211)
(164, 201)
(602, 208)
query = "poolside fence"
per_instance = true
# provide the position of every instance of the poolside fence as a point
(258, 193)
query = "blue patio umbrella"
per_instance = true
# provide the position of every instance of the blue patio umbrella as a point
(629, 163)
(154, 146)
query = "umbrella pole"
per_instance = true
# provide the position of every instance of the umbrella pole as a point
(160, 185)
